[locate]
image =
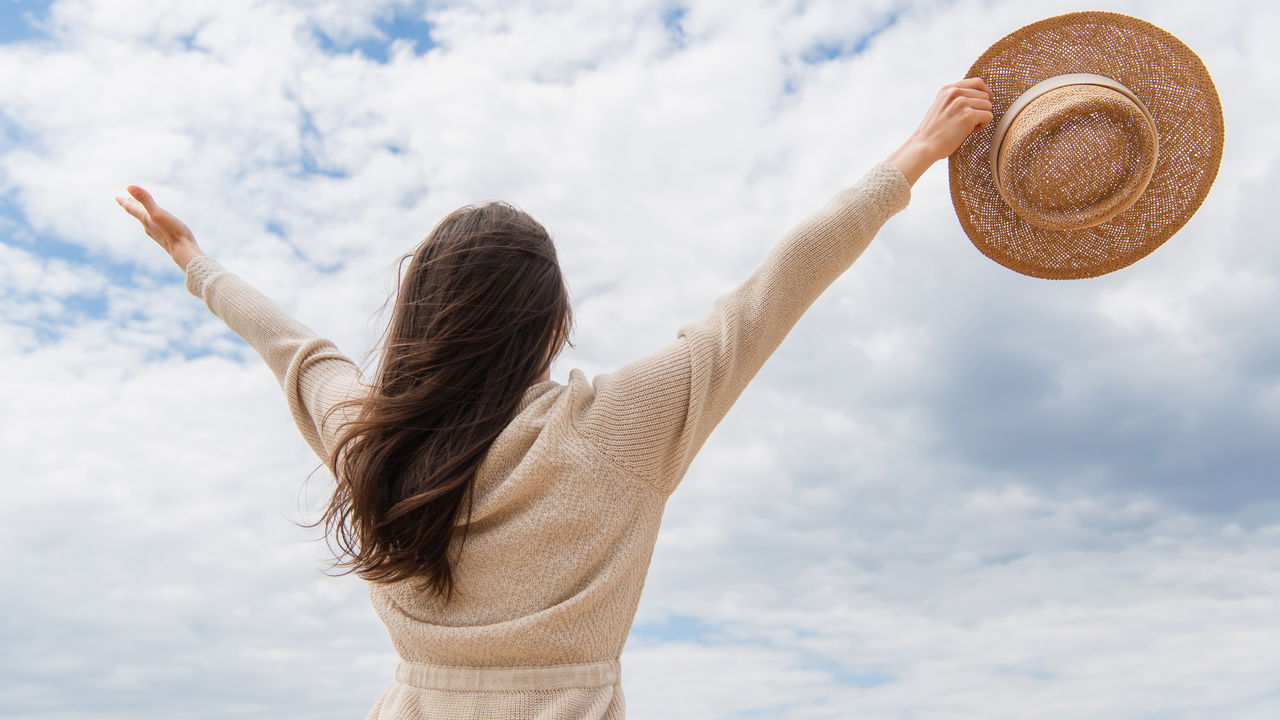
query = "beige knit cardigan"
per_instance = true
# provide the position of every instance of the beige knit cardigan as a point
(568, 501)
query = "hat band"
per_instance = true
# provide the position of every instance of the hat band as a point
(1053, 83)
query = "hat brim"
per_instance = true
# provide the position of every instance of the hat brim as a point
(1169, 79)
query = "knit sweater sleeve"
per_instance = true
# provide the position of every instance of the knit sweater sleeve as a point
(314, 375)
(652, 416)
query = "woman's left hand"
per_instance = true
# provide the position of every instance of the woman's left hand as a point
(168, 231)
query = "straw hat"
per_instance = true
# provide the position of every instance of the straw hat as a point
(1107, 136)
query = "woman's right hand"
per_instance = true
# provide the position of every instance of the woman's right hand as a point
(959, 109)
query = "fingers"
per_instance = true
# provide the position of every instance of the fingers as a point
(971, 93)
(973, 102)
(143, 197)
(975, 83)
(977, 109)
(954, 96)
(978, 103)
(133, 207)
(982, 119)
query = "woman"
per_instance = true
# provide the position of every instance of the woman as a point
(556, 492)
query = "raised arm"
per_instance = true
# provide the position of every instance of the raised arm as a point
(312, 372)
(314, 375)
(652, 416)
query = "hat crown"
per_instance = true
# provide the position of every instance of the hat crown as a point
(1076, 151)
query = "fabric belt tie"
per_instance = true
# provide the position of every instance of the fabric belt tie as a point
(547, 677)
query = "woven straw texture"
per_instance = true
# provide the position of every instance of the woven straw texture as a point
(1080, 153)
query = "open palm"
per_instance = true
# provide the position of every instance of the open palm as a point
(161, 225)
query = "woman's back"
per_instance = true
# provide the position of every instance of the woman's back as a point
(566, 484)
(568, 500)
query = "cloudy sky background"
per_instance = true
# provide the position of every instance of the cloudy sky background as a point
(954, 492)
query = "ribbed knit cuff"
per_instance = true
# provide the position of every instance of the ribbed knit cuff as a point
(901, 188)
(895, 189)
(200, 269)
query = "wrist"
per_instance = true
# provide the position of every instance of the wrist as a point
(184, 252)
(913, 158)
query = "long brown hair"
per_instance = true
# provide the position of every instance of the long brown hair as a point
(479, 315)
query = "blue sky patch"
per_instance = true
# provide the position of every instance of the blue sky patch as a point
(19, 19)
(16, 231)
(312, 141)
(673, 21)
(397, 26)
(675, 627)
(854, 678)
(828, 51)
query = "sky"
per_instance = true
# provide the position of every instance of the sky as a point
(953, 492)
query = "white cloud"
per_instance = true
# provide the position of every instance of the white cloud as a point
(953, 492)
